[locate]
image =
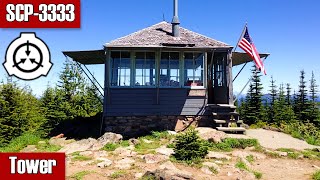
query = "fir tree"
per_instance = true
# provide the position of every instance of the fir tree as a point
(288, 95)
(254, 99)
(314, 111)
(282, 112)
(273, 94)
(301, 105)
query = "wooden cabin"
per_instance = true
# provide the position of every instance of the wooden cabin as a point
(166, 77)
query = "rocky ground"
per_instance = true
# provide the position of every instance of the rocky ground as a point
(145, 157)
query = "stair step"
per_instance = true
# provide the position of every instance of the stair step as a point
(225, 114)
(219, 121)
(222, 106)
(231, 129)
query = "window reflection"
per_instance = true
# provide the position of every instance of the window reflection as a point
(193, 69)
(145, 69)
(169, 69)
(120, 68)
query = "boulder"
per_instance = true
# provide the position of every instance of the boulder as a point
(133, 141)
(167, 174)
(211, 135)
(216, 155)
(105, 162)
(125, 152)
(110, 138)
(165, 151)
(79, 146)
(124, 163)
(167, 166)
(211, 165)
(206, 170)
(60, 141)
(106, 139)
(152, 158)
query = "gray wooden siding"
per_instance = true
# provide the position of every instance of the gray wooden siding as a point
(143, 102)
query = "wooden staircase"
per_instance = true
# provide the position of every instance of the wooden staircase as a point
(226, 118)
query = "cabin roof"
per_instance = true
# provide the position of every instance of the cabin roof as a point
(160, 35)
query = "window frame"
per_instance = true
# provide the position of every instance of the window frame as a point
(134, 69)
(204, 70)
(180, 74)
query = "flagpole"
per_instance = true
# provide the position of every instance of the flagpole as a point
(234, 50)
(247, 82)
(243, 31)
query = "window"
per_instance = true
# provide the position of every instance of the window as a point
(193, 69)
(169, 69)
(145, 69)
(220, 71)
(120, 68)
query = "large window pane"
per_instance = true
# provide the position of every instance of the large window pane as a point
(193, 69)
(145, 69)
(120, 68)
(169, 69)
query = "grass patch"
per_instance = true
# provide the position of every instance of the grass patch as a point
(257, 174)
(80, 175)
(250, 159)
(213, 170)
(124, 143)
(81, 158)
(110, 147)
(241, 165)
(17, 144)
(195, 162)
(316, 175)
(118, 174)
(149, 177)
(232, 143)
(171, 145)
(311, 154)
(293, 154)
(146, 148)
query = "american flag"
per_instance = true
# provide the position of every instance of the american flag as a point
(247, 45)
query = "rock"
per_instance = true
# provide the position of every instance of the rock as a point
(106, 139)
(147, 141)
(218, 162)
(133, 141)
(229, 174)
(211, 135)
(165, 151)
(172, 132)
(99, 154)
(175, 174)
(252, 148)
(138, 175)
(29, 148)
(167, 166)
(110, 138)
(59, 136)
(125, 152)
(206, 170)
(212, 165)
(105, 163)
(283, 154)
(60, 141)
(215, 155)
(240, 154)
(86, 153)
(151, 158)
(124, 163)
(42, 143)
(79, 146)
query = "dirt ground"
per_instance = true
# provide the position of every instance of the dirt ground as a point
(271, 168)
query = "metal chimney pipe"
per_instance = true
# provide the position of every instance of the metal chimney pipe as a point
(175, 21)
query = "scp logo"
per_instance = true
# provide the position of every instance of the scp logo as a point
(27, 57)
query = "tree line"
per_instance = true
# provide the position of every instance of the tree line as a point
(21, 111)
(296, 112)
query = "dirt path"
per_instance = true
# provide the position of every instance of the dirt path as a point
(275, 140)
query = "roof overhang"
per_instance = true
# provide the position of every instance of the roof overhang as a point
(241, 58)
(87, 57)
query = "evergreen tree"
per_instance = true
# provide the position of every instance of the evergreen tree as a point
(301, 105)
(288, 95)
(282, 112)
(273, 94)
(20, 112)
(314, 111)
(254, 99)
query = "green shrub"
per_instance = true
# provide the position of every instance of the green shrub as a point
(316, 175)
(110, 147)
(189, 146)
(118, 174)
(257, 174)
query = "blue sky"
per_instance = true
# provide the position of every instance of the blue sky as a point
(288, 29)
